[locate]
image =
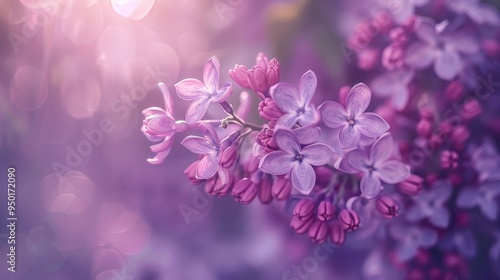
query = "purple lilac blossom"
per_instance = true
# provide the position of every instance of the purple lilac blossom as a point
(436, 47)
(296, 104)
(352, 119)
(478, 12)
(410, 239)
(203, 93)
(297, 161)
(431, 204)
(394, 85)
(376, 166)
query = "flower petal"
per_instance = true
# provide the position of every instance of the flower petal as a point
(349, 136)
(442, 190)
(303, 177)
(463, 43)
(385, 85)
(370, 185)
(197, 109)
(468, 198)
(198, 145)
(307, 135)
(357, 159)
(276, 163)
(223, 93)
(489, 208)
(333, 114)
(307, 87)
(317, 154)
(287, 141)
(358, 99)
(381, 149)
(286, 97)
(371, 125)
(440, 217)
(465, 242)
(207, 167)
(287, 120)
(161, 124)
(151, 111)
(416, 213)
(191, 89)
(211, 72)
(162, 146)
(393, 171)
(420, 55)
(159, 157)
(426, 31)
(447, 65)
(309, 117)
(167, 99)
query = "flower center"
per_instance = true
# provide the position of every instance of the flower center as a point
(299, 157)
(351, 121)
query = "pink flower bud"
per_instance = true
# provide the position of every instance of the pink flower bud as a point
(424, 128)
(301, 226)
(273, 72)
(257, 79)
(349, 220)
(449, 159)
(281, 189)
(387, 207)
(325, 210)
(268, 110)
(471, 108)
(265, 139)
(412, 185)
(393, 57)
(343, 91)
(459, 136)
(190, 173)
(244, 191)
(265, 186)
(261, 60)
(368, 58)
(454, 90)
(337, 235)
(228, 156)
(398, 36)
(303, 209)
(240, 76)
(318, 232)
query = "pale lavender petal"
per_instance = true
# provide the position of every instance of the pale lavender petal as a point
(191, 89)
(442, 191)
(276, 163)
(415, 214)
(344, 166)
(428, 238)
(371, 125)
(425, 30)
(223, 93)
(406, 251)
(440, 217)
(197, 109)
(358, 160)
(370, 185)
(468, 198)
(303, 177)
(287, 141)
(207, 167)
(307, 135)
(463, 43)
(358, 99)
(286, 97)
(210, 134)
(167, 99)
(385, 85)
(349, 136)
(465, 242)
(317, 154)
(287, 120)
(211, 74)
(447, 65)
(489, 208)
(333, 114)
(400, 99)
(162, 146)
(420, 2)
(309, 117)
(159, 157)
(381, 149)
(151, 111)
(393, 172)
(402, 11)
(307, 86)
(161, 124)
(198, 145)
(420, 55)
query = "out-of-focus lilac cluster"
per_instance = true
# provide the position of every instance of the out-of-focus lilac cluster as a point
(421, 176)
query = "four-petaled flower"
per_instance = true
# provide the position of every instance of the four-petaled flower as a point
(203, 93)
(291, 158)
(410, 239)
(296, 105)
(394, 85)
(159, 125)
(485, 197)
(430, 204)
(377, 166)
(439, 48)
(351, 119)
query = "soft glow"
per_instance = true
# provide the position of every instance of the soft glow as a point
(132, 9)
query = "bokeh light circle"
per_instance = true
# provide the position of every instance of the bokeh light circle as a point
(28, 88)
